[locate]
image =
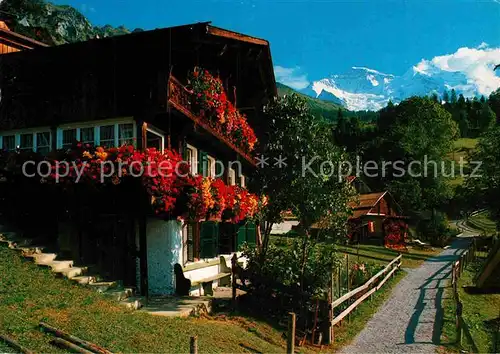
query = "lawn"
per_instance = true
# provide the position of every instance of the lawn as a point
(461, 150)
(29, 294)
(481, 313)
(374, 254)
(482, 221)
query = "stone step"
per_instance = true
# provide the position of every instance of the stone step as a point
(31, 250)
(119, 294)
(57, 265)
(86, 279)
(43, 258)
(103, 286)
(71, 272)
(133, 302)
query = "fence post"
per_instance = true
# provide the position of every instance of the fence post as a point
(290, 339)
(193, 345)
(459, 322)
(329, 334)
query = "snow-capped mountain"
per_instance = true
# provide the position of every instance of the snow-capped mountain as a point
(469, 71)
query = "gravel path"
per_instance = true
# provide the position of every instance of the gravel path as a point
(410, 320)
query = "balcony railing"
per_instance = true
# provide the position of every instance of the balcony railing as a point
(180, 98)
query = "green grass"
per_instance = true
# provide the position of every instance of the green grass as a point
(482, 221)
(465, 143)
(374, 254)
(347, 332)
(29, 294)
(479, 313)
(461, 150)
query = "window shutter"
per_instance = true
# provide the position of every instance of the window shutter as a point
(209, 235)
(241, 236)
(251, 233)
(202, 163)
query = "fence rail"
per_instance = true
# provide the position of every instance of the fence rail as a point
(457, 270)
(367, 289)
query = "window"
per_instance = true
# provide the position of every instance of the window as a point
(191, 241)
(9, 142)
(87, 135)
(43, 143)
(26, 142)
(107, 136)
(125, 134)
(155, 139)
(243, 181)
(68, 138)
(211, 166)
(191, 157)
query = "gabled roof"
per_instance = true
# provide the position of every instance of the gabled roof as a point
(367, 200)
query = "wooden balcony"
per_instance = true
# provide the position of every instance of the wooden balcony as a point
(179, 97)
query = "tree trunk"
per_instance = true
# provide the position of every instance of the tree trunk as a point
(305, 240)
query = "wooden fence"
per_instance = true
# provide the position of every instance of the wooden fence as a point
(356, 296)
(457, 270)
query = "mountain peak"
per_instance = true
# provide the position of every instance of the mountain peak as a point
(469, 71)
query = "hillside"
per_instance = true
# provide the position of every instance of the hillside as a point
(52, 24)
(327, 110)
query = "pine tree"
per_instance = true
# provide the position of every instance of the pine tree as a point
(453, 98)
(446, 96)
(435, 97)
(486, 117)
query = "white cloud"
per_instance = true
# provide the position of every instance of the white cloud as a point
(291, 77)
(473, 63)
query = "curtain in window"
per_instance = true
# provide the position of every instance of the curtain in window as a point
(43, 142)
(9, 142)
(68, 138)
(107, 136)
(125, 134)
(26, 142)
(87, 135)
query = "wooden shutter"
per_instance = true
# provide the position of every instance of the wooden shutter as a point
(241, 236)
(209, 234)
(251, 233)
(202, 163)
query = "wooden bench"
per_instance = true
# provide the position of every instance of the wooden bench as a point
(184, 285)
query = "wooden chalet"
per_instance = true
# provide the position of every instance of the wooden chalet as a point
(371, 215)
(131, 88)
(376, 217)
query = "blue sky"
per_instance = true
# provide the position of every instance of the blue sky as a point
(319, 38)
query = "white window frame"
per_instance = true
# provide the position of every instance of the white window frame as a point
(194, 163)
(159, 133)
(211, 172)
(242, 181)
(18, 132)
(232, 176)
(96, 125)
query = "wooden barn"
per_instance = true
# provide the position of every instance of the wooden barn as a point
(132, 89)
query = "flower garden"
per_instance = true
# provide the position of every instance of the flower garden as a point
(211, 103)
(172, 191)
